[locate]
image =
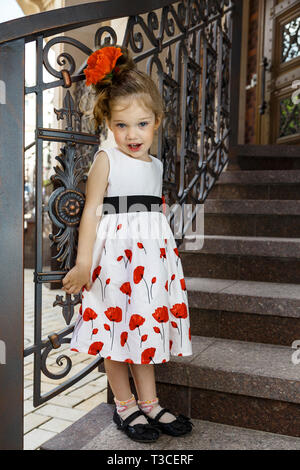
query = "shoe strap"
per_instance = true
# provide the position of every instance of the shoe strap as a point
(131, 417)
(160, 413)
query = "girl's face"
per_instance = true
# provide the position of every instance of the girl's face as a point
(133, 126)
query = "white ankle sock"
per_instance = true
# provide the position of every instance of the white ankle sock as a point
(127, 407)
(152, 408)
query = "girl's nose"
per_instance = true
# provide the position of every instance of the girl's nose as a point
(131, 133)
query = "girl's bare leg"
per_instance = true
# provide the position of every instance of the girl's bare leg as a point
(117, 374)
(144, 380)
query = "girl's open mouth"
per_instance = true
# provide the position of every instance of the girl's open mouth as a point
(134, 147)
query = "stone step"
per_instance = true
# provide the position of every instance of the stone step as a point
(249, 225)
(238, 383)
(261, 298)
(260, 177)
(244, 310)
(235, 245)
(267, 259)
(232, 315)
(252, 385)
(274, 151)
(268, 184)
(265, 157)
(252, 207)
(96, 431)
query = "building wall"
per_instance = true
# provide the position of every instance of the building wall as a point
(251, 99)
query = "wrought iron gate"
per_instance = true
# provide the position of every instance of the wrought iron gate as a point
(187, 47)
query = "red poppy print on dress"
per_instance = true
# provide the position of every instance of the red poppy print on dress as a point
(89, 315)
(136, 321)
(96, 275)
(106, 284)
(153, 281)
(141, 280)
(162, 316)
(128, 255)
(177, 254)
(126, 289)
(114, 314)
(141, 246)
(95, 348)
(172, 279)
(123, 338)
(143, 338)
(163, 253)
(179, 311)
(138, 275)
(147, 356)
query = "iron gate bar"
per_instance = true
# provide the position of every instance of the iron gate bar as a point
(12, 244)
(51, 276)
(49, 23)
(64, 332)
(56, 135)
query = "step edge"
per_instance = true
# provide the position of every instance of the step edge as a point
(216, 383)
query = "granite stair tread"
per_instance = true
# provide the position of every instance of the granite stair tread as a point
(269, 150)
(251, 177)
(236, 367)
(251, 206)
(266, 298)
(206, 435)
(243, 245)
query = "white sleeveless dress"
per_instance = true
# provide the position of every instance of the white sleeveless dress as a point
(137, 308)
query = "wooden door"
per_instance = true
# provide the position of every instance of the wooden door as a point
(280, 124)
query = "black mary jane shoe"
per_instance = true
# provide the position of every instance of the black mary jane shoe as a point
(137, 432)
(182, 425)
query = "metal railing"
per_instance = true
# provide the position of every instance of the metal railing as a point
(187, 47)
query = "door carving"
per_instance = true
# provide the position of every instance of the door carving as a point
(280, 123)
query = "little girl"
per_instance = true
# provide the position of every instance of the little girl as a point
(134, 302)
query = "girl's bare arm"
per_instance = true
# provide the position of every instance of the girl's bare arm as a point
(79, 275)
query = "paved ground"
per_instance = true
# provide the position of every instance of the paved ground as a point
(49, 419)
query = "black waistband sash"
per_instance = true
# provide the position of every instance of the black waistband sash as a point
(132, 203)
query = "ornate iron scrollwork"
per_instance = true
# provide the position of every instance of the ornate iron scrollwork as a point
(66, 205)
(56, 343)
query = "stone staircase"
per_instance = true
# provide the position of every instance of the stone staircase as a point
(244, 298)
(240, 387)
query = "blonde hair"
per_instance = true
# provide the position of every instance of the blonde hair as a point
(128, 81)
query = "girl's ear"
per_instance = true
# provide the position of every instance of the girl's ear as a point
(157, 122)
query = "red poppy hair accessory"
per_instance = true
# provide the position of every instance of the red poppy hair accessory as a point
(101, 64)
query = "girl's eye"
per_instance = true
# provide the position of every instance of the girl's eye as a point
(120, 125)
(143, 124)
